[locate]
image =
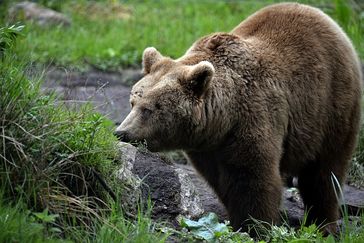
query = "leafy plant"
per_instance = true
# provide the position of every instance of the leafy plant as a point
(208, 228)
(17, 224)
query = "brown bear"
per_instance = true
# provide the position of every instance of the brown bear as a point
(278, 95)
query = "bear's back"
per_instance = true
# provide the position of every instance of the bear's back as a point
(313, 61)
(299, 36)
(290, 23)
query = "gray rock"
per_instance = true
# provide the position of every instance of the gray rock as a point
(354, 200)
(38, 14)
(169, 188)
(190, 200)
(292, 208)
(208, 198)
(131, 183)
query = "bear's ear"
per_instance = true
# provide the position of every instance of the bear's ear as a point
(198, 78)
(150, 56)
(216, 40)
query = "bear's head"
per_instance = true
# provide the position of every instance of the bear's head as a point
(165, 103)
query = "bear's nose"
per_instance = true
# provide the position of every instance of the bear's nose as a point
(123, 136)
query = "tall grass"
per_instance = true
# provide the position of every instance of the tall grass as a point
(19, 225)
(54, 158)
(47, 141)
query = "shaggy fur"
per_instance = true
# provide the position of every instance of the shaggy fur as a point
(279, 95)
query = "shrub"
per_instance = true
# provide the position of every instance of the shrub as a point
(51, 156)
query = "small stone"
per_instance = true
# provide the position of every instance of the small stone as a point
(40, 15)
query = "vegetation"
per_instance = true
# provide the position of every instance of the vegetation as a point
(50, 160)
(52, 157)
(113, 35)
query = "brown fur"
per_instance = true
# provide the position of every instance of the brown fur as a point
(282, 96)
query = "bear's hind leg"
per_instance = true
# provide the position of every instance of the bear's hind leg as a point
(315, 180)
(317, 190)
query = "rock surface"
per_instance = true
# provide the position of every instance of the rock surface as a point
(353, 199)
(40, 15)
(170, 189)
(131, 183)
(208, 198)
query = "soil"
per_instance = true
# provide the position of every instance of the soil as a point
(108, 92)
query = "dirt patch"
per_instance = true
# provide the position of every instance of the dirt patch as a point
(107, 92)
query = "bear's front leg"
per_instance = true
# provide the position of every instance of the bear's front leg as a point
(250, 192)
(246, 177)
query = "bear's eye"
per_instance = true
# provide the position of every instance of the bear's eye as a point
(158, 106)
(146, 113)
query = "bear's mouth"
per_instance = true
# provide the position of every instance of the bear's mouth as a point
(123, 136)
(126, 137)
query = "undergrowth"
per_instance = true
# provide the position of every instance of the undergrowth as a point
(209, 229)
(56, 161)
(19, 224)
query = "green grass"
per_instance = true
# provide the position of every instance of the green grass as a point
(45, 138)
(99, 38)
(17, 224)
(170, 26)
(49, 154)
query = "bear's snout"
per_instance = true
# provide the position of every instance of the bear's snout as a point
(123, 136)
